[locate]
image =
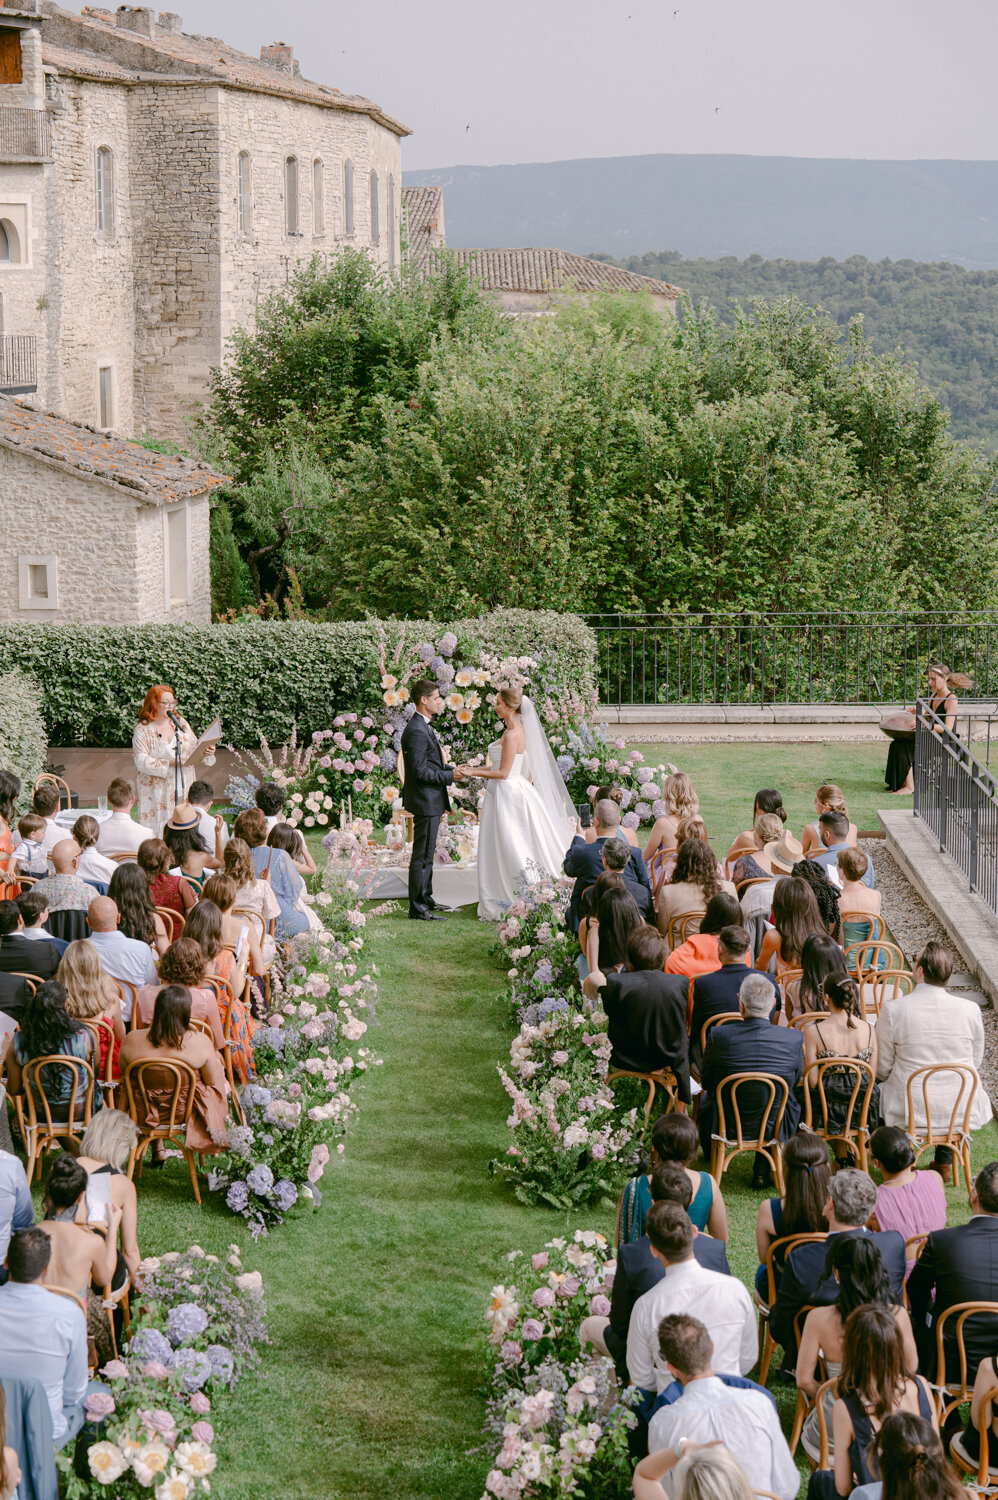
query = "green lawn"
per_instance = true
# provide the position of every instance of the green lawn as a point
(371, 1389)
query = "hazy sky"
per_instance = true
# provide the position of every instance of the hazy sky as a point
(543, 80)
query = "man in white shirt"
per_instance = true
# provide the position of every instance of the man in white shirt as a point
(42, 1333)
(742, 1417)
(16, 1208)
(122, 957)
(201, 796)
(722, 1303)
(45, 802)
(120, 834)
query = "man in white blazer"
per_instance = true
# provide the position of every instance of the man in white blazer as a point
(927, 1027)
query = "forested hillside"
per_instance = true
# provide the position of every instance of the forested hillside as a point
(943, 317)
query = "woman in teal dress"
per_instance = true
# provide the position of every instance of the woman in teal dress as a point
(673, 1138)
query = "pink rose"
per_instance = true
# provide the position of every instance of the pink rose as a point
(511, 1352)
(115, 1369)
(200, 1404)
(160, 1421)
(539, 1261)
(98, 1406)
(203, 1432)
(155, 1370)
(532, 1329)
(543, 1297)
(569, 1286)
(600, 1307)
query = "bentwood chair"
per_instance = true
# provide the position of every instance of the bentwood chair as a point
(986, 1478)
(855, 1129)
(171, 921)
(149, 1072)
(766, 1143)
(40, 1126)
(778, 1249)
(664, 1079)
(955, 1134)
(683, 926)
(954, 1393)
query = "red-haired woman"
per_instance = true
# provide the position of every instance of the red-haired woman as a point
(153, 750)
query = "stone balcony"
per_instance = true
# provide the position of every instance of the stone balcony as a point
(25, 135)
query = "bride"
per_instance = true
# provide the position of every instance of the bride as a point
(527, 819)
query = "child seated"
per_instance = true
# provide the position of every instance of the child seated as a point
(29, 856)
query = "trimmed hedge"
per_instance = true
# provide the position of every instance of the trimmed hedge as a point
(22, 728)
(262, 678)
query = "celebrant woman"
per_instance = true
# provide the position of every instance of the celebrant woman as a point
(900, 772)
(154, 745)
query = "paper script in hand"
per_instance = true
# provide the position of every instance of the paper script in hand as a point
(206, 744)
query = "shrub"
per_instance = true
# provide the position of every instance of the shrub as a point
(263, 678)
(22, 727)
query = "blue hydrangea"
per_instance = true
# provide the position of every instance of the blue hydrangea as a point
(255, 1093)
(185, 1322)
(437, 664)
(149, 1344)
(530, 1015)
(447, 643)
(266, 1140)
(445, 675)
(551, 1006)
(565, 764)
(626, 798)
(221, 1362)
(389, 760)
(195, 1368)
(544, 973)
(237, 1197)
(260, 1179)
(269, 1036)
(286, 1194)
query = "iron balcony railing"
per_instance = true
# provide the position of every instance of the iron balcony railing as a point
(816, 658)
(25, 134)
(18, 364)
(956, 795)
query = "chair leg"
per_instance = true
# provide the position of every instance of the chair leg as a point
(965, 1153)
(777, 1161)
(766, 1358)
(649, 1101)
(194, 1175)
(800, 1414)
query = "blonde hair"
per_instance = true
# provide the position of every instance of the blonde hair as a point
(89, 990)
(512, 697)
(768, 828)
(831, 798)
(238, 862)
(690, 827)
(110, 1137)
(679, 796)
(710, 1474)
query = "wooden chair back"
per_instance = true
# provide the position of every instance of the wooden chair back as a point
(884, 984)
(819, 1406)
(864, 958)
(875, 924)
(804, 1406)
(171, 921)
(24, 881)
(31, 980)
(682, 926)
(40, 1129)
(121, 856)
(65, 795)
(664, 1079)
(856, 1130)
(147, 1073)
(656, 871)
(767, 1142)
(981, 1471)
(255, 920)
(98, 1030)
(719, 1020)
(914, 1246)
(955, 1133)
(224, 996)
(779, 1247)
(128, 994)
(807, 1019)
(956, 1393)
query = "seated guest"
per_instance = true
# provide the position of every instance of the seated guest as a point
(22, 955)
(646, 1012)
(283, 836)
(170, 1039)
(908, 1452)
(166, 890)
(709, 1411)
(43, 1332)
(65, 890)
(204, 927)
(909, 1201)
(851, 1196)
(875, 1382)
(717, 993)
(29, 858)
(238, 935)
(608, 932)
(758, 865)
(120, 834)
(959, 1265)
(692, 883)
(828, 798)
(91, 995)
(698, 955)
(609, 880)
(751, 1045)
(93, 866)
(286, 883)
(45, 800)
(104, 1151)
(858, 1269)
(16, 1208)
(192, 856)
(46, 1030)
(833, 830)
(584, 859)
(270, 799)
(122, 957)
(843, 1033)
(795, 917)
(79, 1255)
(612, 794)
(766, 801)
(821, 958)
(681, 801)
(673, 1139)
(695, 1473)
(137, 917)
(34, 910)
(615, 855)
(722, 1303)
(690, 827)
(638, 1270)
(252, 893)
(855, 895)
(200, 797)
(11, 1474)
(926, 1027)
(807, 1172)
(183, 963)
(826, 893)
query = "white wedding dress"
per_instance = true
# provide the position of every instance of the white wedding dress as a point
(525, 825)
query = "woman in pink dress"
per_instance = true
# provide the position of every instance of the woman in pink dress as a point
(910, 1202)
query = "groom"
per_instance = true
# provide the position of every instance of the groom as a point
(424, 794)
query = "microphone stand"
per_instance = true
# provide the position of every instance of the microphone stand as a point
(178, 779)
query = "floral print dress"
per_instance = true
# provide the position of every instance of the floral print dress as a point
(236, 1019)
(153, 754)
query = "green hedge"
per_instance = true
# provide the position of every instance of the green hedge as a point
(22, 727)
(263, 678)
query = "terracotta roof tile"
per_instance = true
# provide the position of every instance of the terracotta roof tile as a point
(153, 478)
(547, 270)
(421, 205)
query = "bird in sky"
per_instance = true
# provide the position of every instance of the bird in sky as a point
(466, 129)
(675, 13)
(717, 110)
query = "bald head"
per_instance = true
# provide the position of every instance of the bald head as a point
(607, 815)
(64, 856)
(102, 914)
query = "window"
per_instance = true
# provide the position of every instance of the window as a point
(318, 199)
(375, 226)
(105, 395)
(4, 243)
(348, 197)
(10, 55)
(177, 591)
(291, 195)
(243, 191)
(391, 221)
(14, 238)
(105, 190)
(38, 582)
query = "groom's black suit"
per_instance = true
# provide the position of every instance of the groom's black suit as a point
(424, 794)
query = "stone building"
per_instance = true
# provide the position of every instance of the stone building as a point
(97, 530)
(154, 186)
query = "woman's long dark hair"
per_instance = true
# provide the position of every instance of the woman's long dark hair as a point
(825, 893)
(842, 991)
(820, 957)
(722, 911)
(908, 1454)
(204, 925)
(807, 1173)
(795, 916)
(618, 916)
(873, 1367)
(863, 1277)
(171, 1016)
(129, 890)
(10, 791)
(180, 842)
(283, 836)
(695, 864)
(45, 1024)
(769, 800)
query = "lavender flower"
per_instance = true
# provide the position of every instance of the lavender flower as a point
(565, 764)
(185, 1322)
(549, 1007)
(194, 1367)
(260, 1179)
(388, 762)
(286, 1194)
(254, 1093)
(237, 1198)
(149, 1344)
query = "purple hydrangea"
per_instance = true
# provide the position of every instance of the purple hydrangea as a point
(626, 798)
(551, 1006)
(286, 1194)
(222, 1362)
(260, 1179)
(659, 808)
(565, 764)
(255, 1093)
(426, 651)
(437, 665)
(237, 1198)
(631, 820)
(445, 675)
(195, 1368)
(272, 1036)
(447, 643)
(643, 811)
(389, 760)
(643, 773)
(149, 1345)
(185, 1322)
(544, 973)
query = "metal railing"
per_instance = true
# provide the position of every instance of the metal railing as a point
(831, 657)
(24, 134)
(18, 363)
(956, 796)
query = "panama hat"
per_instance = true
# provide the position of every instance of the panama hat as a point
(184, 818)
(784, 853)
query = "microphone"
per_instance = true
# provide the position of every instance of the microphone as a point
(178, 723)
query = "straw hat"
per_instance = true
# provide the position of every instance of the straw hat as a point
(184, 819)
(784, 853)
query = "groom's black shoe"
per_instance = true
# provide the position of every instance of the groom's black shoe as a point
(426, 916)
(435, 906)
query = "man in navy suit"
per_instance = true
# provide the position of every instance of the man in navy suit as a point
(851, 1198)
(751, 1045)
(424, 794)
(584, 860)
(717, 992)
(960, 1265)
